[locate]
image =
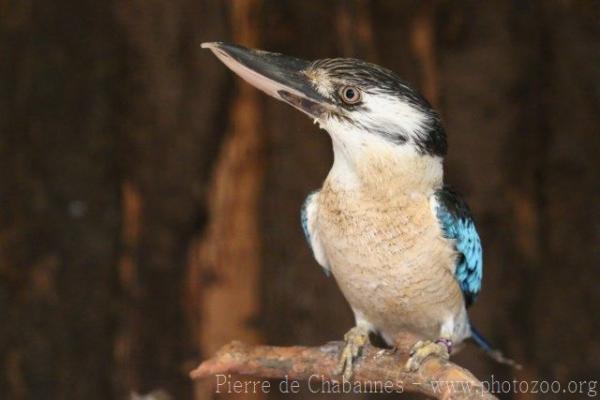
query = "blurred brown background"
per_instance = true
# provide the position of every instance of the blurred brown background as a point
(149, 200)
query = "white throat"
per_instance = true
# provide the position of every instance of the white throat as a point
(368, 162)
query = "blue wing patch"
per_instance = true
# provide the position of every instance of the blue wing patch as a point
(457, 224)
(304, 217)
(304, 220)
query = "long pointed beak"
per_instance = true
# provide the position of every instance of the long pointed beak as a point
(276, 74)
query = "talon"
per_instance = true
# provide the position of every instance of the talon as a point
(355, 339)
(425, 348)
(415, 347)
(388, 352)
(447, 343)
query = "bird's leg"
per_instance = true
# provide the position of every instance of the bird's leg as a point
(355, 339)
(424, 348)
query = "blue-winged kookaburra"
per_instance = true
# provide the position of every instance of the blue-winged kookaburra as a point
(402, 247)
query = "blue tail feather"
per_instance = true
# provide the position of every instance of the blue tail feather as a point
(480, 340)
(490, 351)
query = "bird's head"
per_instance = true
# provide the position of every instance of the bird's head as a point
(375, 119)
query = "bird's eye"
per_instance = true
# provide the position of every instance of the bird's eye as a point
(350, 94)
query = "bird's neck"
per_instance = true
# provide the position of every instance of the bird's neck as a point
(384, 170)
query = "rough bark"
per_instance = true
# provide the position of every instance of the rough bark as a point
(173, 100)
(225, 262)
(60, 202)
(114, 128)
(375, 368)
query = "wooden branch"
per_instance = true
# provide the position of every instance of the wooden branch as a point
(375, 369)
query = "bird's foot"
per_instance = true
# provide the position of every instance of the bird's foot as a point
(355, 339)
(425, 348)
